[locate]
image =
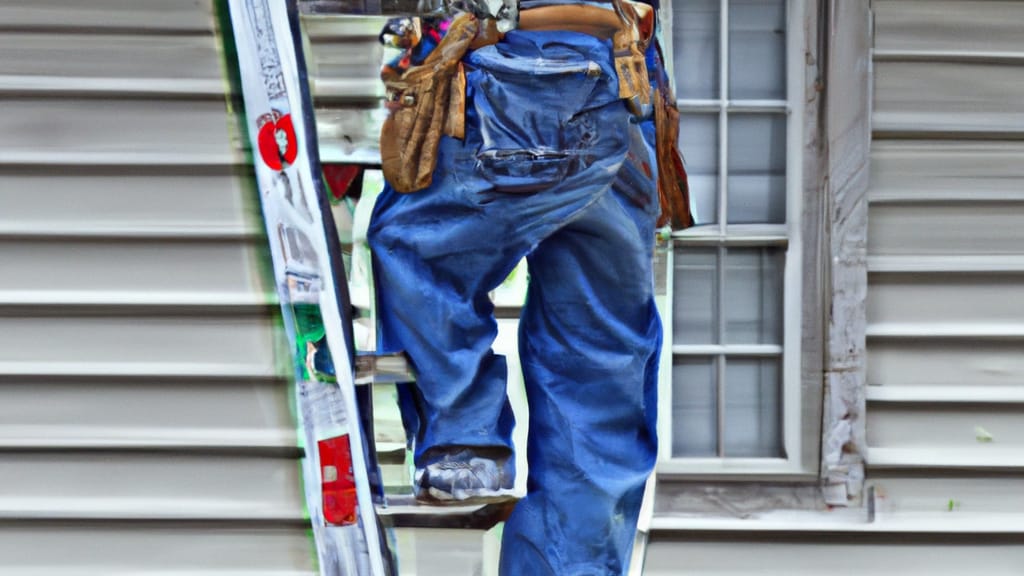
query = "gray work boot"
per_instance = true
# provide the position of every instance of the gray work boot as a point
(465, 476)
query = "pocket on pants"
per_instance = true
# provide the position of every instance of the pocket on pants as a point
(532, 115)
(524, 171)
(637, 180)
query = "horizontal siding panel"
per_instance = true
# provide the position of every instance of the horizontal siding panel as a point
(360, 92)
(133, 15)
(939, 460)
(350, 134)
(110, 56)
(243, 343)
(958, 363)
(949, 25)
(771, 556)
(941, 427)
(145, 425)
(345, 56)
(948, 98)
(355, 63)
(946, 394)
(68, 158)
(944, 265)
(116, 129)
(429, 552)
(341, 28)
(946, 228)
(60, 549)
(114, 199)
(146, 486)
(345, 59)
(968, 298)
(929, 171)
(842, 524)
(935, 331)
(145, 413)
(110, 87)
(975, 494)
(191, 268)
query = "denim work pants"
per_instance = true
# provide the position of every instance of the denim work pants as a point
(554, 168)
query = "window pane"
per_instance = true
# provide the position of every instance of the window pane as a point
(698, 141)
(757, 49)
(694, 407)
(753, 296)
(753, 412)
(757, 169)
(695, 302)
(695, 27)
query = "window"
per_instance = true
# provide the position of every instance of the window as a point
(731, 401)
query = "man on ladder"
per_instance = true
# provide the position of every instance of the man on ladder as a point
(527, 143)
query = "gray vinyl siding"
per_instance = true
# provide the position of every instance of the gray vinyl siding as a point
(145, 423)
(945, 324)
(344, 60)
(835, 555)
(946, 262)
(946, 236)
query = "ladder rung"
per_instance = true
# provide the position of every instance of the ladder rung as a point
(383, 369)
(390, 452)
(366, 8)
(405, 512)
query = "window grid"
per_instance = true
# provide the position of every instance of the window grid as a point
(734, 106)
(722, 351)
(720, 358)
(723, 141)
(724, 235)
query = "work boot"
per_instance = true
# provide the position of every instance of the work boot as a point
(465, 476)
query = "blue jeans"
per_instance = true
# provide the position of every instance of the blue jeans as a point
(553, 168)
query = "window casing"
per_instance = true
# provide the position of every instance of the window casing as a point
(731, 401)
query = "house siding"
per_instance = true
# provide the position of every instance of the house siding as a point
(145, 425)
(935, 404)
(946, 260)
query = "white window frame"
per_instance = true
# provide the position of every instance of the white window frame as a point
(797, 430)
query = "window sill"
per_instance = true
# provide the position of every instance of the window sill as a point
(736, 469)
(836, 520)
(854, 520)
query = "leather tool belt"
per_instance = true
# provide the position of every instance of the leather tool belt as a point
(628, 29)
(584, 18)
(425, 102)
(428, 100)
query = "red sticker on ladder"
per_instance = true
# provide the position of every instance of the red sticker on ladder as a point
(276, 139)
(337, 481)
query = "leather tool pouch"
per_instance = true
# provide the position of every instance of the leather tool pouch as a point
(630, 65)
(427, 101)
(629, 44)
(673, 186)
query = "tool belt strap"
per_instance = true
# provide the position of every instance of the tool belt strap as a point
(628, 29)
(428, 101)
(583, 18)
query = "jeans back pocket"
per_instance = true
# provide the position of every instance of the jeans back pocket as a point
(531, 102)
